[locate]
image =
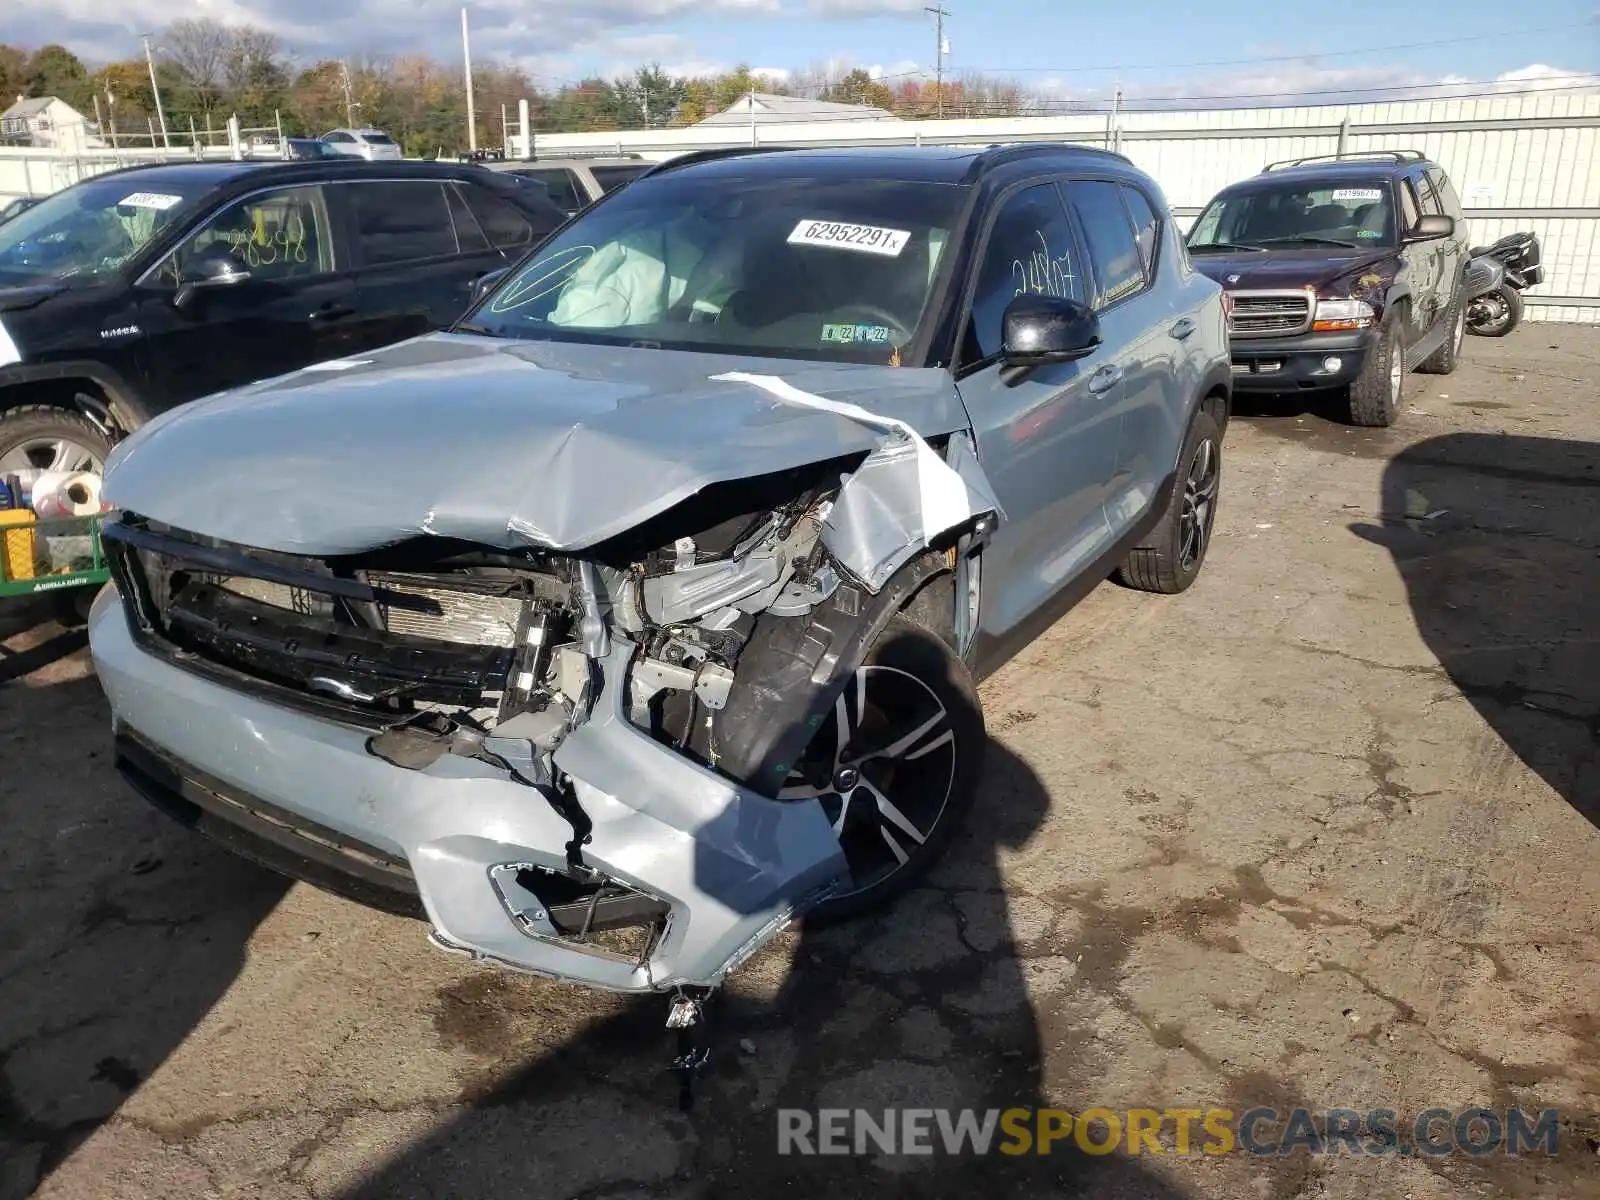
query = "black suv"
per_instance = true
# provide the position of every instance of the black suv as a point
(1339, 272)
(140, 289)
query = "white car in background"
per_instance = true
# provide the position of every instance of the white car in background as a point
(371, 144)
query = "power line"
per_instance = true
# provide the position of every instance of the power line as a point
(1303, 56)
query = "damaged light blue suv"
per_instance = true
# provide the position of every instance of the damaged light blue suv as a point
(641, 612)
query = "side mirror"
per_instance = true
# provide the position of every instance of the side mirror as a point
(206, 272)
(1432, 226)
(485, 283)
(1037, 330)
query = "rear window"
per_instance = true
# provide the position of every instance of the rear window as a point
(379, 139)
(506, 227)
(561, 185)
(401, 221)
(611, 178)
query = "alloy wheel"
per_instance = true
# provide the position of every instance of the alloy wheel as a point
(50, 454)
(883, 771)
(1199, 503)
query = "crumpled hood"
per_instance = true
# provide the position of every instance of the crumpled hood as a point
(1297, 268)
(502, 443)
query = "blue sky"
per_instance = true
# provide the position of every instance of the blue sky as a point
(1152, 47)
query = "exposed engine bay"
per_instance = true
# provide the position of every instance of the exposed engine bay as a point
(727, 633)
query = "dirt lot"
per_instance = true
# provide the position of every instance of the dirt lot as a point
(1321, 831)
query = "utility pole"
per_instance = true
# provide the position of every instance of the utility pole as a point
(155, 90)
(349, 101)
(939, 14)
(466, 60)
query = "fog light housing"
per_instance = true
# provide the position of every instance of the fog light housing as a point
(1331, 364)
(1336, 316)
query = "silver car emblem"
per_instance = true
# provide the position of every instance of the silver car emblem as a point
(1233, 278)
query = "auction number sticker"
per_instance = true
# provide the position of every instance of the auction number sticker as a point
(1357, 194)
(868, 239)
(156, 200)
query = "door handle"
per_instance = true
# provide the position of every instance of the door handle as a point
(1182, 329)
(1106, 378)
(333, 312)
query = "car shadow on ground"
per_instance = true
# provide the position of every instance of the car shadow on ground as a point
(1498, 541)
(926, 1005)
(118, 929)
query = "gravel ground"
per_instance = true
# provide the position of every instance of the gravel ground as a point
(1319, 832)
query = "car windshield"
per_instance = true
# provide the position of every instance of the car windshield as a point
(834, 270)
(87, 231)
(1359, 213)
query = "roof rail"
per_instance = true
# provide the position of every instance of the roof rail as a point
(1353, 155)
(700, 156)
(996, 153)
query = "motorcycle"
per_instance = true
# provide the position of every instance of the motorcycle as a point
(1494, 308)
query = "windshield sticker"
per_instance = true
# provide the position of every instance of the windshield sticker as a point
(856, 335)
(1357, 194)
(156, 200)
(1369, 233)
(868, 239)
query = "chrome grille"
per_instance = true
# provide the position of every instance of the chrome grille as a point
(1269, 314)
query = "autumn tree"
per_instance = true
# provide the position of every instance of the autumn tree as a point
(858, 87)
(56, 71)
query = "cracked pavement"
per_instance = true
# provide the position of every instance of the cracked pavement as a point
(1320, 831)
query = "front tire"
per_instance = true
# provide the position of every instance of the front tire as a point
(1375, 394)
(37, 437)
(1169, 560)
(897, 767)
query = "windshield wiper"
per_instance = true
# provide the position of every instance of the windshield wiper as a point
(480, 330)
(1224, 246)
(1312, 241)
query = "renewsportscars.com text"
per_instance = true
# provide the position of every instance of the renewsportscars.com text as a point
(1213, 1131)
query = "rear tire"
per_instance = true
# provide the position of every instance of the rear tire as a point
(896, 812)
(1169, 560)
(1375, 394)
(1509, 303)
(1443, 360)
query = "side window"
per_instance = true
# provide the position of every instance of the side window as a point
(274, 235)
(1030, 249)
(1430, 199)
(562, 186)
(1113, 252)
(401, 221)
(1145, 226)
(1410, 212)
(1447, 193)
(611, 178)
(507, 228)
(469, 235)
(341, 138)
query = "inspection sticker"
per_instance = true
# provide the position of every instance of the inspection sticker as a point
(869, 239)
(856, 335)
(156, 200)
(1357, 194)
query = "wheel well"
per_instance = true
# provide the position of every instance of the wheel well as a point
(76, 394)
(1215, 402)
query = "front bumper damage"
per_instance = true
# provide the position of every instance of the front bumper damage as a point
(567, 761)
(728, 866)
